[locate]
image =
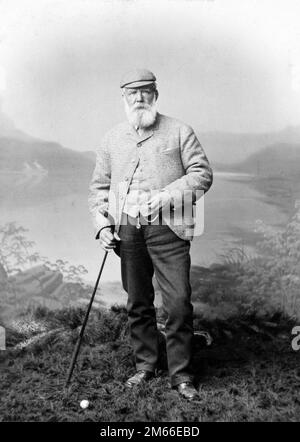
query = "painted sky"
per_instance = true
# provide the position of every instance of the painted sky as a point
(227, 65)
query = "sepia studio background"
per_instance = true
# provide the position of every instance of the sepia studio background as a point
(236, 82)
(230, 69)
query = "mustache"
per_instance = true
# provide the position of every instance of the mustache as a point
(141, 106)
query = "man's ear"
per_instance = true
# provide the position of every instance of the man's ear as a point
(156, 94)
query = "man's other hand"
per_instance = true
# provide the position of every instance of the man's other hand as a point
(108, 239)
(156, 203)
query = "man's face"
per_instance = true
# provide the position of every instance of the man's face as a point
(140, 105)
(137, 98)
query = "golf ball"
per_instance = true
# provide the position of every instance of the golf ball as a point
(84, 404)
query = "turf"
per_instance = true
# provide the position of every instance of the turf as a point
(249, 373)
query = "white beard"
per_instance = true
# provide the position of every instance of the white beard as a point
(143, 116)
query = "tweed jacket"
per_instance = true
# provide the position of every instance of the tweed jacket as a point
(175, 158)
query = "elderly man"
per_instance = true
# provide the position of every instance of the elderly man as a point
(144, 167)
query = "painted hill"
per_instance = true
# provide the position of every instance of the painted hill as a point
(280, 160)
(277, 160)
(36, 170)
(56, 159)
(230, 148)
(274, 172)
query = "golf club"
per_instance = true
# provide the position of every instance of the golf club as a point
(79, 340)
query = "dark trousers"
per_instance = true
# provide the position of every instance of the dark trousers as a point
(143, 251)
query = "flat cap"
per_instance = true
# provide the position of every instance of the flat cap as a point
(137, 78)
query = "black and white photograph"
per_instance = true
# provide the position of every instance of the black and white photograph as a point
(149, 213)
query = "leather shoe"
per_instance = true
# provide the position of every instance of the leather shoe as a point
(139, 377)
(187, 390)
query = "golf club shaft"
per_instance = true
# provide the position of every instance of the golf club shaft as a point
(79, 340)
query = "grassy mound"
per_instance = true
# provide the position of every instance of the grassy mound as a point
(249, 373)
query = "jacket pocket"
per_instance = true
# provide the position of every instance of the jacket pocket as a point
(169, 150)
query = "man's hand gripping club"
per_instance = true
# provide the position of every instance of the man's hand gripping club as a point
(108, 237)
